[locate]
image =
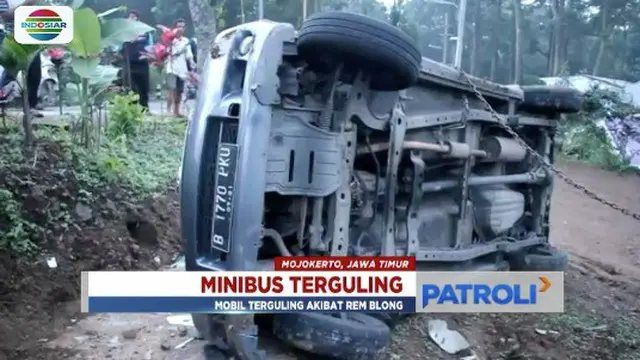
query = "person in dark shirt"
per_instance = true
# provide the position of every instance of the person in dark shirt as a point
(136, 66)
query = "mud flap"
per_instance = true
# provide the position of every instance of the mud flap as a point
(551, 98)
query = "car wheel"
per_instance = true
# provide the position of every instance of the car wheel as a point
(389, 56)
(549, 98)
(356, 337)
(540, 258)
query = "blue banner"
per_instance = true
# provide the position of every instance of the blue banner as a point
(257, 305)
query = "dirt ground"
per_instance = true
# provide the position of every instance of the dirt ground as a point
(39, 313)
(602, 311)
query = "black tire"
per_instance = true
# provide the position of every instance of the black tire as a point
(214, 353)
(358, 337)
(210, 330)
(540, 258)
(549, 98)
(385, 52)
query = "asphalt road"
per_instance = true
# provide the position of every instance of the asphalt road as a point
(52, 114)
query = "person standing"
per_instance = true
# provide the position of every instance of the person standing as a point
(34, 73)
(177, 66)
(136, 64)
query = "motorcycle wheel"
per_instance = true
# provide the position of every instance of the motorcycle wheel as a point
(48, 93)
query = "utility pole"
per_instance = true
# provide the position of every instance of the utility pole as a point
(305, 9)
(445, 44)
(462, 10)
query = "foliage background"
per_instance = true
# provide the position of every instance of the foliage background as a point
(559, 37)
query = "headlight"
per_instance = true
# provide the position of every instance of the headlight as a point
(246, 45)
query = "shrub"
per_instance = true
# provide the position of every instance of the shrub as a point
(125, 115)
(15, 234)
(583, 137)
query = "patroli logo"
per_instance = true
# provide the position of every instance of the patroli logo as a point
(511, 292)
(52, 25)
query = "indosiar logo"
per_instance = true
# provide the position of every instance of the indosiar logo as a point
(514, 292)
(44, 25)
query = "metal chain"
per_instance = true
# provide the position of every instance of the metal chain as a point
(540, 158)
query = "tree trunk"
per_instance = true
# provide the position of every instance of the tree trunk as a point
(621, 64)
(495, 43)
(604, 34)
(233, 13)
(203, 16)
(557, 8)
(493, 67)
(445, 41)
(550, 54)
(517, 23)
(26, 112)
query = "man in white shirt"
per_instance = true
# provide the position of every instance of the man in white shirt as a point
(177, 68)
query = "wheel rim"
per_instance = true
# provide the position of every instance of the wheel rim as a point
(49, 95)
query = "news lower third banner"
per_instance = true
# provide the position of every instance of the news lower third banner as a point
(389, 285)
(490, 292)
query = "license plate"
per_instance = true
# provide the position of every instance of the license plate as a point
(224, 194)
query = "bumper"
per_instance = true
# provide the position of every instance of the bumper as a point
(233, 109)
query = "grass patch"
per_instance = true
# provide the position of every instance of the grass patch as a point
(588, 329)
(146, 163)
(15, 233)
(142, 164)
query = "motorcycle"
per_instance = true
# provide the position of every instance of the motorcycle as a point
(49, 83)
(9, 87)
(9, 91)
(49, 90)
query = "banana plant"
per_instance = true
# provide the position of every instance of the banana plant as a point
(92, 33)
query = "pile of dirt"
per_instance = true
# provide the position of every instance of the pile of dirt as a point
(84, 228)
